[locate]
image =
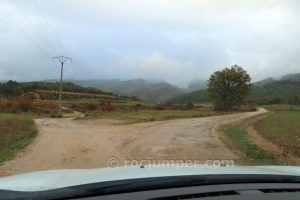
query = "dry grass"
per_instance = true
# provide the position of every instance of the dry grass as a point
(153, 115)
(22, 104)
(16, 132)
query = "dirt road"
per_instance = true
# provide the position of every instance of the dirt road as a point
(65, 143)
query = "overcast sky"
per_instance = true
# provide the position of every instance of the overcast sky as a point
(172, 40)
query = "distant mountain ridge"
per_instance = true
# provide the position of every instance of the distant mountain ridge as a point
(264, 81)
(288, 77)
(286, 87)
(278, 90)
(160, 91)
(143, 89)
(291, 77)
(196, 85)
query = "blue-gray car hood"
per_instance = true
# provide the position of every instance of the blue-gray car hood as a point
(52, 179)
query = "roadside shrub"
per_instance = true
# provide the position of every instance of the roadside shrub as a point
(84, 107)
(250, 107)
(170, 106)
(189, 106)
(56, 115)
(92, 106)
(159, 107)
(9, 104)
(46, 107)
(134, 98)
(24, 104)
(138, 107)
(107, 107)
(32, 95)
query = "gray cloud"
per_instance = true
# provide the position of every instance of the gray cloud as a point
(172, 40)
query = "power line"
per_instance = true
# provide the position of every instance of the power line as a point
(24, 33)
(30, 21)
(65, 50)
(62, 60)
(49, 26)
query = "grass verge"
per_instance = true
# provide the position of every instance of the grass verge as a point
(282, 127)
(152, 115)
(16, 132)
(251, 154)
(282, 107)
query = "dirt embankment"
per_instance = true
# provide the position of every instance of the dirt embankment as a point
(65, 143)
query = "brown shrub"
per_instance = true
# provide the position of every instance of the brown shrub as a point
(84, 107)
(56, 115)
(107, 107)
(9, 104)
(159, 107)
(24, 104)
(92, 106)
(46, 107)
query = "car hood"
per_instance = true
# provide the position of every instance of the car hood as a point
(53, 179)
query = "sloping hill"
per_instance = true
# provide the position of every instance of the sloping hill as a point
(67, 87)
(143, 89)
(284, 91)
(291, 77)
(114, 86)
(156, 92)
(283, 88)
(11, 88)
(196, 85)
(269, 91)
(264, 82)
(196, 96)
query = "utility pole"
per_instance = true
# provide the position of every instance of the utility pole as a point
(62, 60)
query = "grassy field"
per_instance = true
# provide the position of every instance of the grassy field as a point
(282, 107)
(16, 132)
(132, 103)
(153, 115)
(251, 153)
(282, 127)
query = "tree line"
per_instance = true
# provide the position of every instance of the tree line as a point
(13, 88)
